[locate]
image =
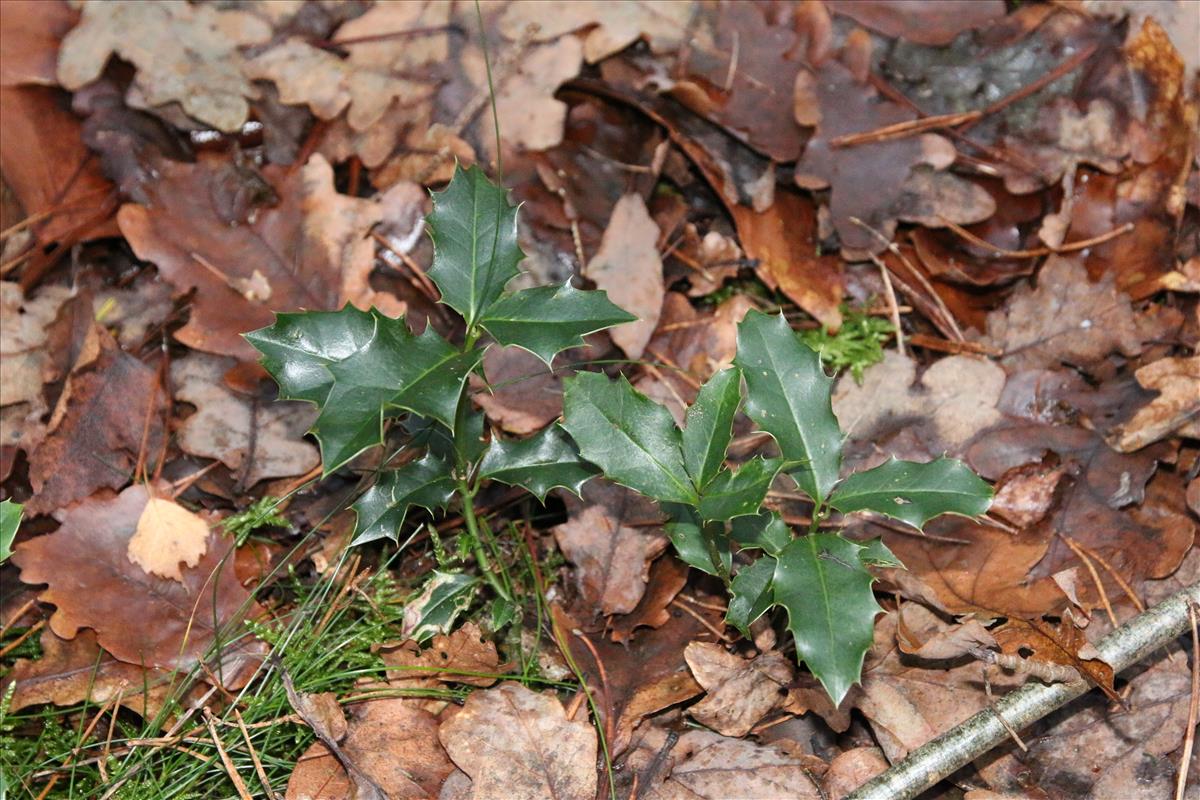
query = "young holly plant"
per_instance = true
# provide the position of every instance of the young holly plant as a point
(362, 369)
(819, 579)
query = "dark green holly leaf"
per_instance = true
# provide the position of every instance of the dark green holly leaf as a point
(687, 535)
(710, 425)
(548, 319)
(545, 460)
(914, 492)
(831, 609)
(299, 346)
(875, 553)
(788, 396)
(381, 510)
(766, 531)
(750, 594)
(630, 437)
(474, 230)
(435, 609)
(736, 494)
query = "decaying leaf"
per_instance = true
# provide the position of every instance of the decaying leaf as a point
(310, 251)
(712, 767)
(110, 409)
(514, 742)
(184, 54)
(1175, 410)
(24, 325)
(740, 691)
(254, 439)
(611, 536)
(167, 535)
(464, 656)
(629, 268)
(140, 618)
(1066, 319)
(616, 26)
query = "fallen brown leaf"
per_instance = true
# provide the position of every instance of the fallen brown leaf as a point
(711, 767)
(629, 268)
(739, 691)
(514, 742)
(920, 23)
(611, 536)
(255, 439)
(464, 656)
(612, 27)
(139, 618)
(1175, 410)
(668, 575)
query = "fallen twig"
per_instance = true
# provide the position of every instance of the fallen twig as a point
(959, 746)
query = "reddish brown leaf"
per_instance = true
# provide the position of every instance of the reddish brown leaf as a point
(30, 37)
(110, 409)
(464, 656)
(204, 231)
(667, 578)
(1039, 643)
(525, 396)
(919, 22)
(139, 618)
(629, 268)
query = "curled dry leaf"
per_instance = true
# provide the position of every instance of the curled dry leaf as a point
(1024, 494)
(611, 536)
(256, 440)
(514, 742)
(110, 409)
(1065, 319)
(966, 638)
(740, 691)
(139, 618)
(668, 575)
(464, 656)
(167, 535)
(183, 53)
(629, 268)
(309, 251)
(1175, 410)
(1048, 649)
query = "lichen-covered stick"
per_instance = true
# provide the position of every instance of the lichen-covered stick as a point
(956, 748)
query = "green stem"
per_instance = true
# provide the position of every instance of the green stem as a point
(477, 543)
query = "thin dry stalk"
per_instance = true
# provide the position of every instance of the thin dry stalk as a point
(1185, 759)
(230, 769)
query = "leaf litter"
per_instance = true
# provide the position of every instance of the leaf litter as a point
(1016, 189)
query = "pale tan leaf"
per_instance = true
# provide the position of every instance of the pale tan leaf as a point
(740, 691)
(167, 534)
(629, 268)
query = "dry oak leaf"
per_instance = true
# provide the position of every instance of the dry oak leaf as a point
(711, 767)
(1065, 319)
(140, 618)
(876, 183)
(1175, 410)
(24, 361)
(167, 534)
(954, 400)
(628, 266)
(514, 742)
(310, 251)
(612, 26)
(110, 409)
(70, 671)
(464, 656)
(391, 741)
(740, 691)
(183, 53)
(607, 539)
(255, 440)
(1055, 653)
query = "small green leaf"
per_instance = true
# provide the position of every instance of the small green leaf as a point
(875, 553)
(10, 520)
(710, 425)
(299, 346)
(548, 319)
(736, 494)
(914, 492)
(831, 609)
(686, 533)
(474, 230)
(545, 460)
(750, 594)
(788, 396)
(630, 437)
(503, 612)
(445, 596)
(766, 531)
(382, 508)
